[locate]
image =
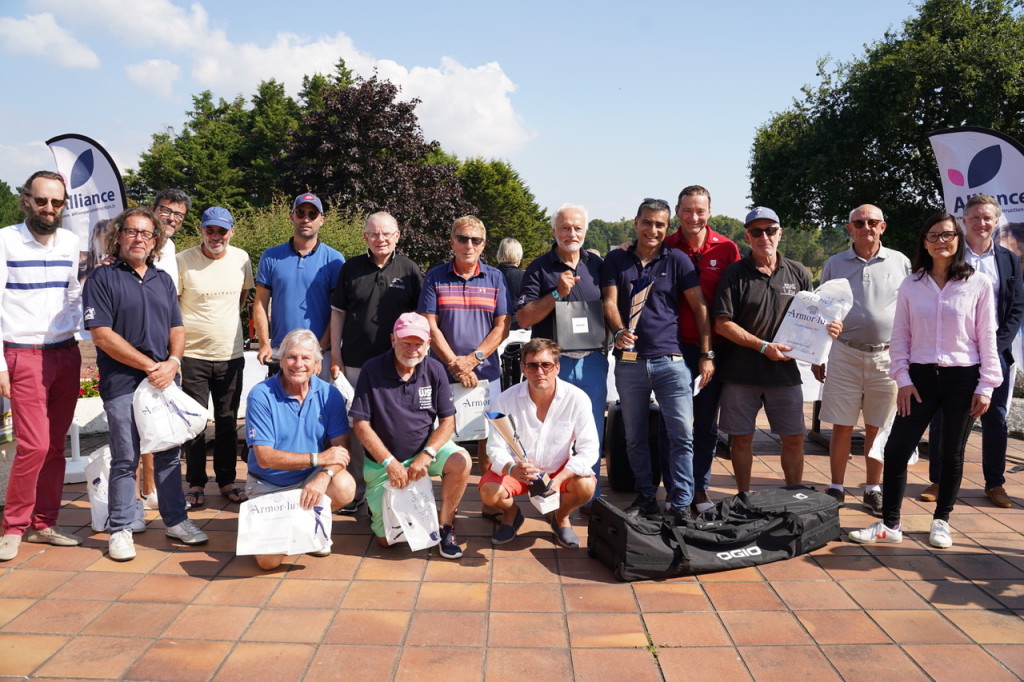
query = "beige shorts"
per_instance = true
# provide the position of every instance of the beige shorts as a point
(857, 381)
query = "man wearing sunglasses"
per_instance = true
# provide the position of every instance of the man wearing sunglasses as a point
(857, 378)
(214, 280)
(467, 305)
(649, 357)
(751, 300)
(39, 366)
(298, 276)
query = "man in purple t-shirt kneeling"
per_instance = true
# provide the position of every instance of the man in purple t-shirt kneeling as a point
(398, 396)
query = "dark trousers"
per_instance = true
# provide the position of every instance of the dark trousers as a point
(705, 417)
(944, 390)
(994, 436)
(200, 379)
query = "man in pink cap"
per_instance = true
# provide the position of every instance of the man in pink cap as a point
(398, 396)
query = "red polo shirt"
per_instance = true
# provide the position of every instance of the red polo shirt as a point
(710, 260)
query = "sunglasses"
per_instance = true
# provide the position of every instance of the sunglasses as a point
(211, 230)
(538, 366)
(861, 224)
(465, 239)
(132, 233)
(311, 213)
(43, 201)
(940, 236)
(761, 231)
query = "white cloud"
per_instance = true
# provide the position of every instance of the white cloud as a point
(154, 75)
(39, 35)
(23, 159)
(469, 110)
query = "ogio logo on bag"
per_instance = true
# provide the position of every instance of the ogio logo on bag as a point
(740, 553)
(799, 496)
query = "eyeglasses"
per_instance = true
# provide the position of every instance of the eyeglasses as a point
(43, 201)
(757, 232)
(940, 236)
(465, 239)
(382, 236)
(168, 212)
(538, 366)
(211, 230)
(132, 233)
(311, 213)
(861, 224)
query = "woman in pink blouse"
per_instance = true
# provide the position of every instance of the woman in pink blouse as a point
(943, 358)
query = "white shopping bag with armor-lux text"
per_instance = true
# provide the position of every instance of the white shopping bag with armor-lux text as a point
(803, 327)
(410, 514)
(276, 523)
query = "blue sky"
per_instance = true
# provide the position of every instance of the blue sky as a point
(597, 103)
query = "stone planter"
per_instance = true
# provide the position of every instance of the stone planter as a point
(1015, 418)
(90, 417)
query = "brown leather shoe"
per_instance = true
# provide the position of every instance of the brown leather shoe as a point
(998, 497)
(929, 494)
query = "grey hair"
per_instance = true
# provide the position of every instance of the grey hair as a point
(510, 251)
(850, 218)
(300, 337)
(571, 207)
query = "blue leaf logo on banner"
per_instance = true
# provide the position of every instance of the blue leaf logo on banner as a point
(985, 165)
(82, 170)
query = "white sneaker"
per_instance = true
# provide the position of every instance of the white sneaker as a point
(138, 526)
(9, 546)
(877, 532)
(187, 532)
(940, 535)
(121, 547)
(149, 501)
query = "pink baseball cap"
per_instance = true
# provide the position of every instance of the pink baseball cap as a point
(412, 324)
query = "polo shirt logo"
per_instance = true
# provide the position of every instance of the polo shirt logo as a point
(397, 283)
(252, 432)
(426, 397)
(90, 313)
(788, 289)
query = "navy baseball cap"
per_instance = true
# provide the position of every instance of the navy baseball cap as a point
(761, 213)
(308, 198)
(216, 215)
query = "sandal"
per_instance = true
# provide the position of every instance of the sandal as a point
(194, 498)
(234, 494)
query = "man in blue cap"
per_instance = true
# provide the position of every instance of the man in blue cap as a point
(214, 279)
(299, 277)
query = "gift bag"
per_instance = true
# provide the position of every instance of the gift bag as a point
(342, 383)
(579, 325)
(470, 406)
(803, 327)
(97, 479)
(410, 514)
(167, 418)
(276, 523)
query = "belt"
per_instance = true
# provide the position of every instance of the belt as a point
(867, 347)
(576, 354)
(68, 343)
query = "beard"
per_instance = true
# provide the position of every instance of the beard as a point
(42, 227)
(409, 363)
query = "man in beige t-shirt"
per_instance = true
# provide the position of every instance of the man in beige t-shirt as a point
(213, 282)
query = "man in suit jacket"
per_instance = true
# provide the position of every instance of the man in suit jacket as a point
(981, 217)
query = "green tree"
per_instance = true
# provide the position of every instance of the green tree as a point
(505, 205)
(604, 236)
(10, 207)
(272, 121)
(859, 136)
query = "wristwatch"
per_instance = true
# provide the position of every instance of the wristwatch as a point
(710, 355)
(479, 355)
(431, 452)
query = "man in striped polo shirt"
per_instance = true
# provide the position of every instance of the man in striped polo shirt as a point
(40, 312)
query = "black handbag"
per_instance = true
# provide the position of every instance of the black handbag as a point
(748, 529)
(579, 325)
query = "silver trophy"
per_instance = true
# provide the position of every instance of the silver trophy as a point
(506, 428)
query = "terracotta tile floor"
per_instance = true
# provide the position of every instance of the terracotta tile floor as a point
(527, 608)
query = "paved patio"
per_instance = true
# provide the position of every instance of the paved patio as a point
(527, 609)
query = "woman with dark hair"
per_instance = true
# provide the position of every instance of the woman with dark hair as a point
(943, 358)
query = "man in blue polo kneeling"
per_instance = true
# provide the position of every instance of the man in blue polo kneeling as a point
(398, 396)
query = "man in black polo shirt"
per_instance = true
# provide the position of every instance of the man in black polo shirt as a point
(373, 289)
(656, 363)
(750, 303)
(131, 309)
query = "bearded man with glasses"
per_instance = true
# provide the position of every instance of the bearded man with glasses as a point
(40, 362)
(298, 276)
(555, 425)
(857, 379)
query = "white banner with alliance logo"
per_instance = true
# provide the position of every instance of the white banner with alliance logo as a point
(980, 161)
(95, 191)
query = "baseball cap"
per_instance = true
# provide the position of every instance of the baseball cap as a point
(216, 215)
(761, 213)
(308, 198)
(412, 324)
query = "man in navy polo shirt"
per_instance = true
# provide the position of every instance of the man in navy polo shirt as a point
(297, 429)
(131, 309)
(568, 273)
(299, 277)
(398, 397)
(649, 356)
(467, 305)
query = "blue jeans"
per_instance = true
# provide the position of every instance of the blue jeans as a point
(669, 379)
(705, 417)
(124, 461)
(590, 374)
(993, 437)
